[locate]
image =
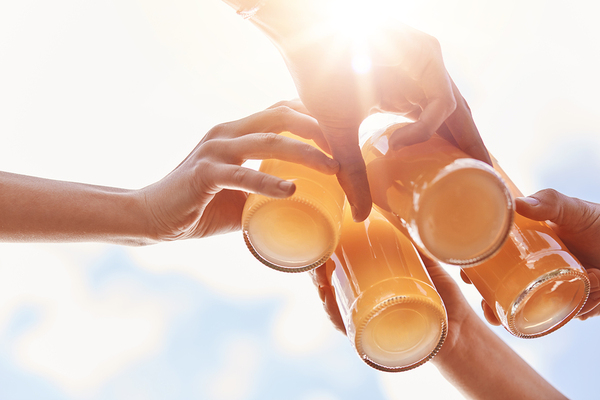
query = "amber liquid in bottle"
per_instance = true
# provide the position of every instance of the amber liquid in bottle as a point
(393, 315)
(456, 209)
(298, 233)
(533, 284)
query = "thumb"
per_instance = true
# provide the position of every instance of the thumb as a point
(551, 205)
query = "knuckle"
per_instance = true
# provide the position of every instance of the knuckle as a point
(259, 183)
(205, 177)
(549, 195)
(218, 130)
(282, 113)
(552, 199)
(283, 108)
(433, 43)
(239, 175)
(282, 103)
(269, 139)
(211, 147)
(307, 151)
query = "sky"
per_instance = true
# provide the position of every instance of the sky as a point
(117, 93)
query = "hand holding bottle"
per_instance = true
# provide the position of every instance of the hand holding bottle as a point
(407, 76)
(577, 223)
(459, 311)
(203, 196)
(473, 359)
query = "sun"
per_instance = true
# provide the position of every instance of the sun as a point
(359, 21)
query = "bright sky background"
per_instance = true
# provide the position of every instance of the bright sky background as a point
(118, 92)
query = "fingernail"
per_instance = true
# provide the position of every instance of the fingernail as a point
(532, 201)
(333, 164)
(286, 186)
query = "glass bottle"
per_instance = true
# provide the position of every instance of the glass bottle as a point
(393, 315)
(456, 209)
(300, 232)
(533, 284)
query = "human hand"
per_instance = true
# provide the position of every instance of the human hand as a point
(472, 358)
(577, 223)
(407, 77)
(206, 193)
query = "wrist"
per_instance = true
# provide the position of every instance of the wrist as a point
(143, 231)
(464, 334)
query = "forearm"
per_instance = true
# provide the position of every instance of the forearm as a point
(282, 19)
(43, 210)
(482, 366)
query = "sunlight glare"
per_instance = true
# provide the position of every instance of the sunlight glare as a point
(358, 21)
(361, 63)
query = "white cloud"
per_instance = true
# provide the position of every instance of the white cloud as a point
(424, 382)
(224, 264)
(320, 395)
(237, 371)
(82, 337)
(301, 325)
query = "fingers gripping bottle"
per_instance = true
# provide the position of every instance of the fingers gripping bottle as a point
(300, 232)
(394, 317)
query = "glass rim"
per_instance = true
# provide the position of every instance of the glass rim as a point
(281, 266)
(494, 248)
(379, 308)
(532, 288)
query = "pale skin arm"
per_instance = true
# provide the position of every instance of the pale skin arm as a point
(203, 196)
(473, 359)
(35, 209)
(407, 77)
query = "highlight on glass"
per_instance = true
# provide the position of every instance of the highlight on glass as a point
(300, 232)
(457, 210)
(393, 315)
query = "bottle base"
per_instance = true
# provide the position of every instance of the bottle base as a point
(465, 214)
(289, 235)
(401, 332)
(548, 303)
